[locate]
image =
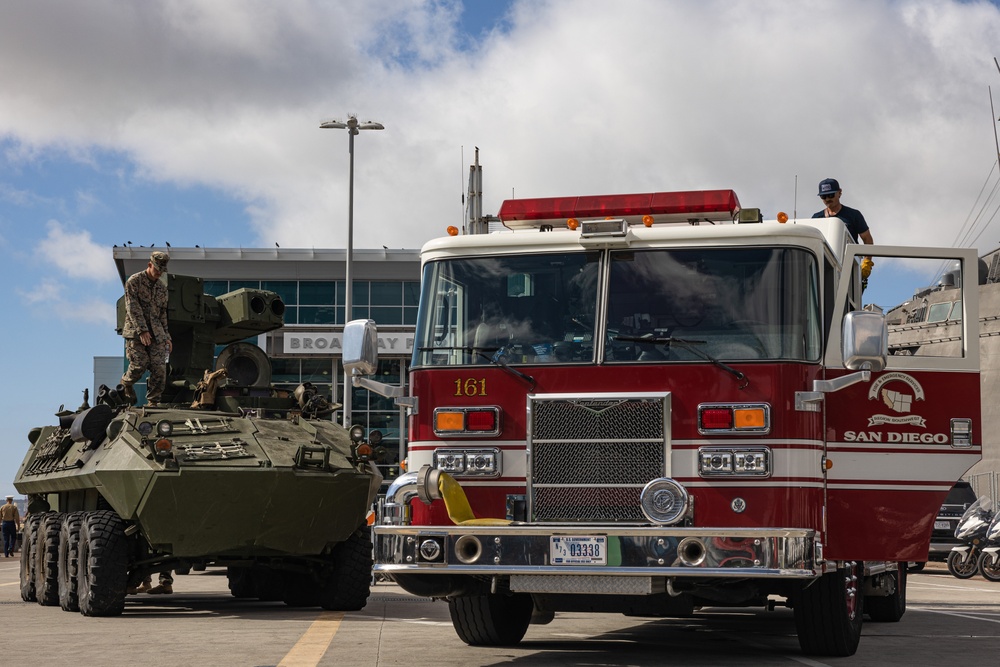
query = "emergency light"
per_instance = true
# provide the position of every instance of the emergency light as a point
(690, 207)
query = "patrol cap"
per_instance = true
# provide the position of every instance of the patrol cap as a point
(828, 186)
(159, 260)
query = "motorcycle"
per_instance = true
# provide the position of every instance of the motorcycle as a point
(963, 561)
(989, 558)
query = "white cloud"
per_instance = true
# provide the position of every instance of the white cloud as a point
(574, 97)
(75, 254)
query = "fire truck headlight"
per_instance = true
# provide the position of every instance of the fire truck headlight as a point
(664, 501)
(715, 462)
(753, 462)
(468, 462)
(720, 462)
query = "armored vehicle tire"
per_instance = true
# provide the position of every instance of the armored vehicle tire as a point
(891, 608)
(989, 566)
(299, 589)
(349, 581)
(963, 565)
(47, 559)
(103, 564)
(182, 570)
(69, 540)
(828, 613)
(491, 620)
(267, 584)
(241, 583)
(28, 539)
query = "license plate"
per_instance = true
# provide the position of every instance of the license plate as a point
(578, 550)
(942, 525)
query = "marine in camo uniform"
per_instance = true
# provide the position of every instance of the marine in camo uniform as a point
(147, 339)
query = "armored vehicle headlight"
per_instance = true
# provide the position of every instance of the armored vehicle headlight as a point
(164, 428)
(145, 428)
(357, 433)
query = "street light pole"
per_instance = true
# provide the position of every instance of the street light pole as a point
(353, 127)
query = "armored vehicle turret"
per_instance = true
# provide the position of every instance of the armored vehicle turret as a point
(227, 471)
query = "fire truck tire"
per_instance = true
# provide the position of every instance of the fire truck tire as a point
(69, 539)
(828, 613)
(47, 560)
(491, 620)
(989, 567)
(963, 565)
(102, 564)
(889, 609)
(349, 582)
(28, 542)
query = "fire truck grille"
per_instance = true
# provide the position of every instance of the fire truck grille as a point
(591, 455)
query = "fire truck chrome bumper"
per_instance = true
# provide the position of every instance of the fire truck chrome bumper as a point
(629, 551)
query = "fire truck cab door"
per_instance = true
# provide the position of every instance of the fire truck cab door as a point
(897, 444)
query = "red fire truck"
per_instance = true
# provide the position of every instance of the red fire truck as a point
(654, 403)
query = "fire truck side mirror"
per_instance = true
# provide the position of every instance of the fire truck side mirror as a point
(865, 341)
(360, 346)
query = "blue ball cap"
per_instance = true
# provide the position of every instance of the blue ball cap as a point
(828, 186)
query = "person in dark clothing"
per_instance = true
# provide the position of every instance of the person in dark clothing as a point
(857, 227)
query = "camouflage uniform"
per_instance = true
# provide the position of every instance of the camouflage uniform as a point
(146, 310)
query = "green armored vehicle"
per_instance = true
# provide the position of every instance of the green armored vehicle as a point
(227, 471)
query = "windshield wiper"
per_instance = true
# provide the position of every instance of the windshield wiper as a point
(499, 358)
(691, 346)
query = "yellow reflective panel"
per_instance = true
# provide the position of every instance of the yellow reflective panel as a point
(749, 418)
(449, 421)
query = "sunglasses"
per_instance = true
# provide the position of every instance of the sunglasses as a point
(827, 196)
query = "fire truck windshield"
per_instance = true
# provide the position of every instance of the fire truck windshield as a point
(727, 303)
(748, 303)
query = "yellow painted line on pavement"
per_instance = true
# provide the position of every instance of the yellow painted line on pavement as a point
(311, 647)
(13, 583)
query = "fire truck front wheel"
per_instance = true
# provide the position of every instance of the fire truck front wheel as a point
(828, 612)
(491, 619)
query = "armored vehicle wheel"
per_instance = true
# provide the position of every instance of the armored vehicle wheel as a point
(891, 608)
(47, 559)
(267, 584)
(299, 589)
(182, 570)
(963, 565)
(241, 583)
(28, 560)
(989, 566)
(348, 583)
(828, 613)
(69, 540)
(491, 620)
(103, 564)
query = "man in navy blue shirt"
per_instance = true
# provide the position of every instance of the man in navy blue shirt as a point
(829, 192)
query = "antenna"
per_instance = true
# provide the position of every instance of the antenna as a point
(795, 199)
(461, 171)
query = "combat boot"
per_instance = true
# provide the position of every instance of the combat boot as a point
(130, 397)
(162, 589)
(144, 587)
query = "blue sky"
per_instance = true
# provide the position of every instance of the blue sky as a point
(196, 122)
